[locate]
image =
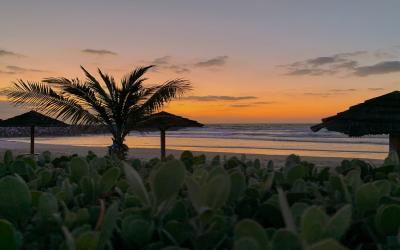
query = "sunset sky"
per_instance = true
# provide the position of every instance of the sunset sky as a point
(248, 61)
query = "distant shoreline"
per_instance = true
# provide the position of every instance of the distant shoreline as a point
(10, 132)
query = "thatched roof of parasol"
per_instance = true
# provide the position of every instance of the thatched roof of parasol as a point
(379, 115)
(165, 121)
(32, 118)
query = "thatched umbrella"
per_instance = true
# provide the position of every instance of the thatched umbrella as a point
(32, 119)
(379, 115)
(164, 121)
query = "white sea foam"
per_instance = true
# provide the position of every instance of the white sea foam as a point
(250, 138)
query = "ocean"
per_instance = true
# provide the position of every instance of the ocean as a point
(273, 139)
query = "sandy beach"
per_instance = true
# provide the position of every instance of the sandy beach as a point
(148, 153)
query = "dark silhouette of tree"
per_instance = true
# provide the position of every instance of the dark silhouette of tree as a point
(98, 102)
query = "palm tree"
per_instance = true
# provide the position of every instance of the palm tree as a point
(89, 102)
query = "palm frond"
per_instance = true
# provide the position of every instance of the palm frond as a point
(132, 86)
(41, 97)
(73, 88)
(96, 86)
(162, 94)
(132, 80)
(127, 95)
(111, 85)
(98, 100)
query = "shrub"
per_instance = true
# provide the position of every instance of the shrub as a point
(91, 202)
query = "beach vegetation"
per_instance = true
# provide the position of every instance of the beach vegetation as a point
(92, 202)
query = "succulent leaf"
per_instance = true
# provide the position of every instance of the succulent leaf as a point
(136, 232)
(367, 197)
(286, 240)
(313, 222)
(238, 184)
(387, 219)
(217, 190)
(8, 237)
(252, 230)
(327, 244)
(15, 199)
(48, 206)
(78, 168)
(87, 241)
(109, 224)
(136, 184)
(338, 224)
(167, 181)
(109, 179)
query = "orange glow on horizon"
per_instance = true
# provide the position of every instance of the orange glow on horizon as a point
(275, 97)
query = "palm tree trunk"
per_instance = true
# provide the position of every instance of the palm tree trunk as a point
(394, 146)
(118, 148)
(32, 140)
(162, 144)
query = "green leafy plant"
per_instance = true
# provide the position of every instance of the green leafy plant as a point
(101, 203)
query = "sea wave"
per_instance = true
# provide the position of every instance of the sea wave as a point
(277, 148)
(268, 132)
(246, 138)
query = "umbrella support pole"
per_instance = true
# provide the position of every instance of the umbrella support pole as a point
(162, 142)
(32, 140)
(394, 145)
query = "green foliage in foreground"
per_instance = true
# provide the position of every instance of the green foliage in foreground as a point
(100, 203)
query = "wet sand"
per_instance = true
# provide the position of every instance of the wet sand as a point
(148, 153)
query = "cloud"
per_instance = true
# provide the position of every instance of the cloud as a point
(3, 72)
(17, 69)
(337, 92)
(241, 105)
(264, 103)
(178, 69)
(161, 60)
(324, 60)
(387, 53)
(353, 54)
(12, 70)
(379, 68)
(312, 71)
(209, 98)
(331, 92)
(100, 52)
(165, 62)
(345, 63)
(216, 61)
(252, 104)
(323, 65)
(9, 53)
(384, 54)
(343, 90)
(315, 94)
